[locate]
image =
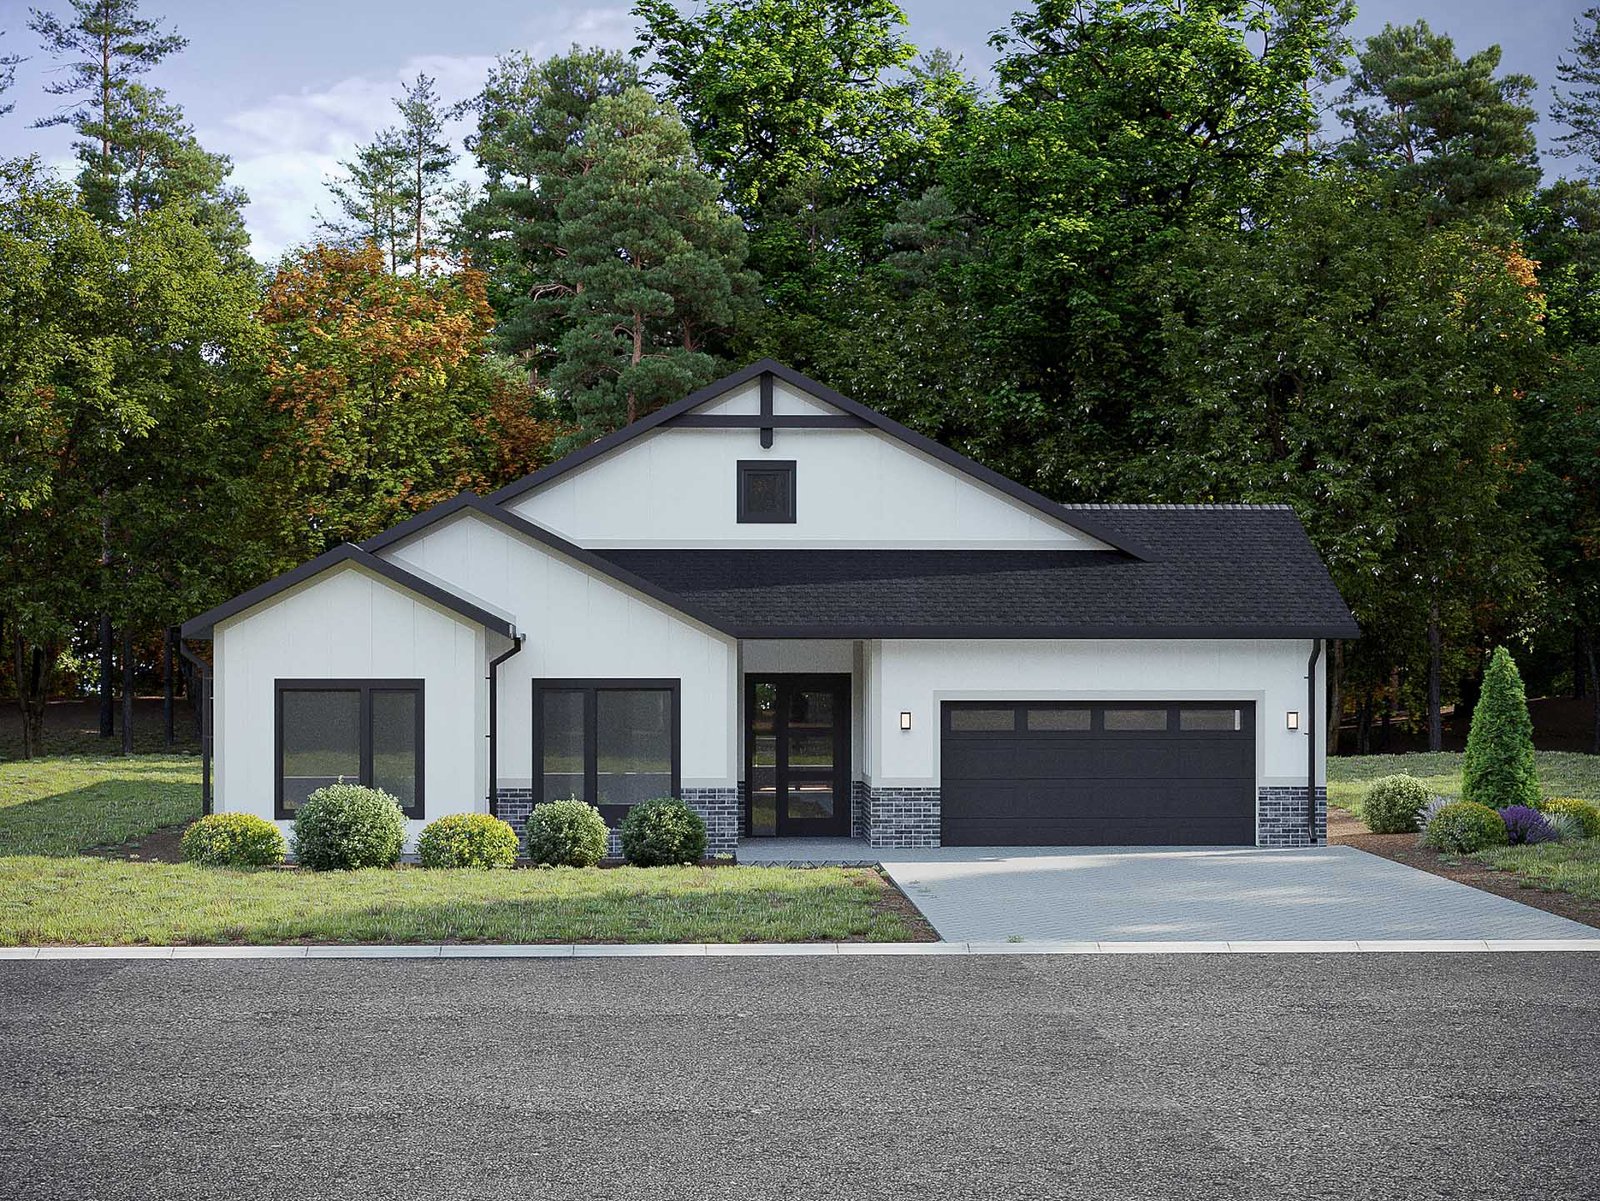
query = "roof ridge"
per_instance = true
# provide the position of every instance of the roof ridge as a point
(1272, 506)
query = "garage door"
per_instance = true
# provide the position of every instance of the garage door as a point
(1127, 774)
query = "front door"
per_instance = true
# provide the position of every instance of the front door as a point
(797, 755)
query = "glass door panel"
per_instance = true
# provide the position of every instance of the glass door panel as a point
(797, 743)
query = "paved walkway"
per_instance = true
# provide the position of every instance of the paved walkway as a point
(1105, 894)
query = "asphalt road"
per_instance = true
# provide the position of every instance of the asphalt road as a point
(1466, 1076)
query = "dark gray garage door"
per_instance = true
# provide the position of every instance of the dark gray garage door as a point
(1127, 774)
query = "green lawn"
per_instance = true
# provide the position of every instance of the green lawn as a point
(1566, 866)
(50, 809)
(1561, 773)
(59, 806)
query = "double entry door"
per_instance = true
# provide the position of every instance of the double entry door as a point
(797, 755)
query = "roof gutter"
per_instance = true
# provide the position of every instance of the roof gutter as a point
(494, 723)
(1311, 742)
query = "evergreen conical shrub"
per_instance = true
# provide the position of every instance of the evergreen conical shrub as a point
(1499, 769)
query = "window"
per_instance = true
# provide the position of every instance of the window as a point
(974, 721)
(1136, 719)
(612, 743)
(766, 491)
(1209, 720)
(349, 732)
(1059, 719)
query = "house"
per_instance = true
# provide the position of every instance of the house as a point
(804, 619)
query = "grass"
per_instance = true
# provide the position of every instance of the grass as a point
(96, 901)
(1561, 773)
(60, 806)
(1564, 866)
(51, 809)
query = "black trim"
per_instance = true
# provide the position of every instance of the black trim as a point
(867, 629)
(782, 421)
(366, 687)
(591, 742)
(766, 410)
(1311, 741)
(749, 467)
(1072, 520)
(202, 626)
(521, 525)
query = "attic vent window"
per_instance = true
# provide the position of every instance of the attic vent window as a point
(766, 491)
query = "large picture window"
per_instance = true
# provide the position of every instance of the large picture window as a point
(612, 743)
(349, 732)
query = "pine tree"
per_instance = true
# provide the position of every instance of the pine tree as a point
(1449, 130)
(654, 265)
(8, 76)
(1579, 108)
(426, 161)
(1499, 768)
(370, 196)
(112, 45)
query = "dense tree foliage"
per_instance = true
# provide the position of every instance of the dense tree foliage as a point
(1137, 267)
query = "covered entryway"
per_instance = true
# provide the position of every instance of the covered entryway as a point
(1135, 773)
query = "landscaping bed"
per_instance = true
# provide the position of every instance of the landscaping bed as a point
(89, 850)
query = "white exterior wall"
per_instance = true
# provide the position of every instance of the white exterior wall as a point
(676, 487)
(350, 624)
(581, 624)
(920, 675)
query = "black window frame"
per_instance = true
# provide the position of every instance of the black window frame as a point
(591, 688)
(366, 687)
(749, 467)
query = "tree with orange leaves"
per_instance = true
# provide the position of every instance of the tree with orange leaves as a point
(388, 396)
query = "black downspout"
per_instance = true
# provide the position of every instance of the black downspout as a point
(1311, 742)
(203, 678)
(494, 725)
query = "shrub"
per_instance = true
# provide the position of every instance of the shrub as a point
(1526, 826)
(1427, 813)
(233, 840)
(1586, 814)
(566, 833)
(663, 831)
(467, 840)
(1465, 826)
(1392, 804)
(1498, 769)
(1567, 827)
(343, 827)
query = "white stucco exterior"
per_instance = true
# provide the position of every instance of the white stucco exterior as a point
(580, 624)
(350, 624)
(675, 487)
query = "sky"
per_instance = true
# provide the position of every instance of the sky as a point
(287, 88)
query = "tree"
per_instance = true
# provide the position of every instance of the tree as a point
(1444, 129)
(1499, 769)
(8, 76)
(388, 401)
(529, 114)
(427, 159)
(1579, 108)
(113, 44)
(1347, 358)
(1120, 129)
(371, 198)
(653, 269)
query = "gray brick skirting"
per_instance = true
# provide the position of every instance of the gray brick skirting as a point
(1281, 818)
(902, 817)
(719, 807)
(860, 827)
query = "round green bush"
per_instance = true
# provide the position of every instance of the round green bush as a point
(467, 840)
(233, 840)
(662, 831)
(1498, 769)
(566, 833)
(1463, 827)
(1392, 804)
(1585, 815)
(343, 827)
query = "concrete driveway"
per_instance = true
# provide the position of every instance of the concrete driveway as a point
(1203, 894)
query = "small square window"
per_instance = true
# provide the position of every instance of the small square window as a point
(766, 491)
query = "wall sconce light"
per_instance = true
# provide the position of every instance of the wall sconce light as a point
(1292, 719)
(905, 719)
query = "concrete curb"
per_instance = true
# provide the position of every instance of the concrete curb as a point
(719, 950)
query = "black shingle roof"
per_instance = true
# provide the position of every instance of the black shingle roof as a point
(1221, 571)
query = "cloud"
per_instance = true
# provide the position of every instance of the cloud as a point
(285, 148)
